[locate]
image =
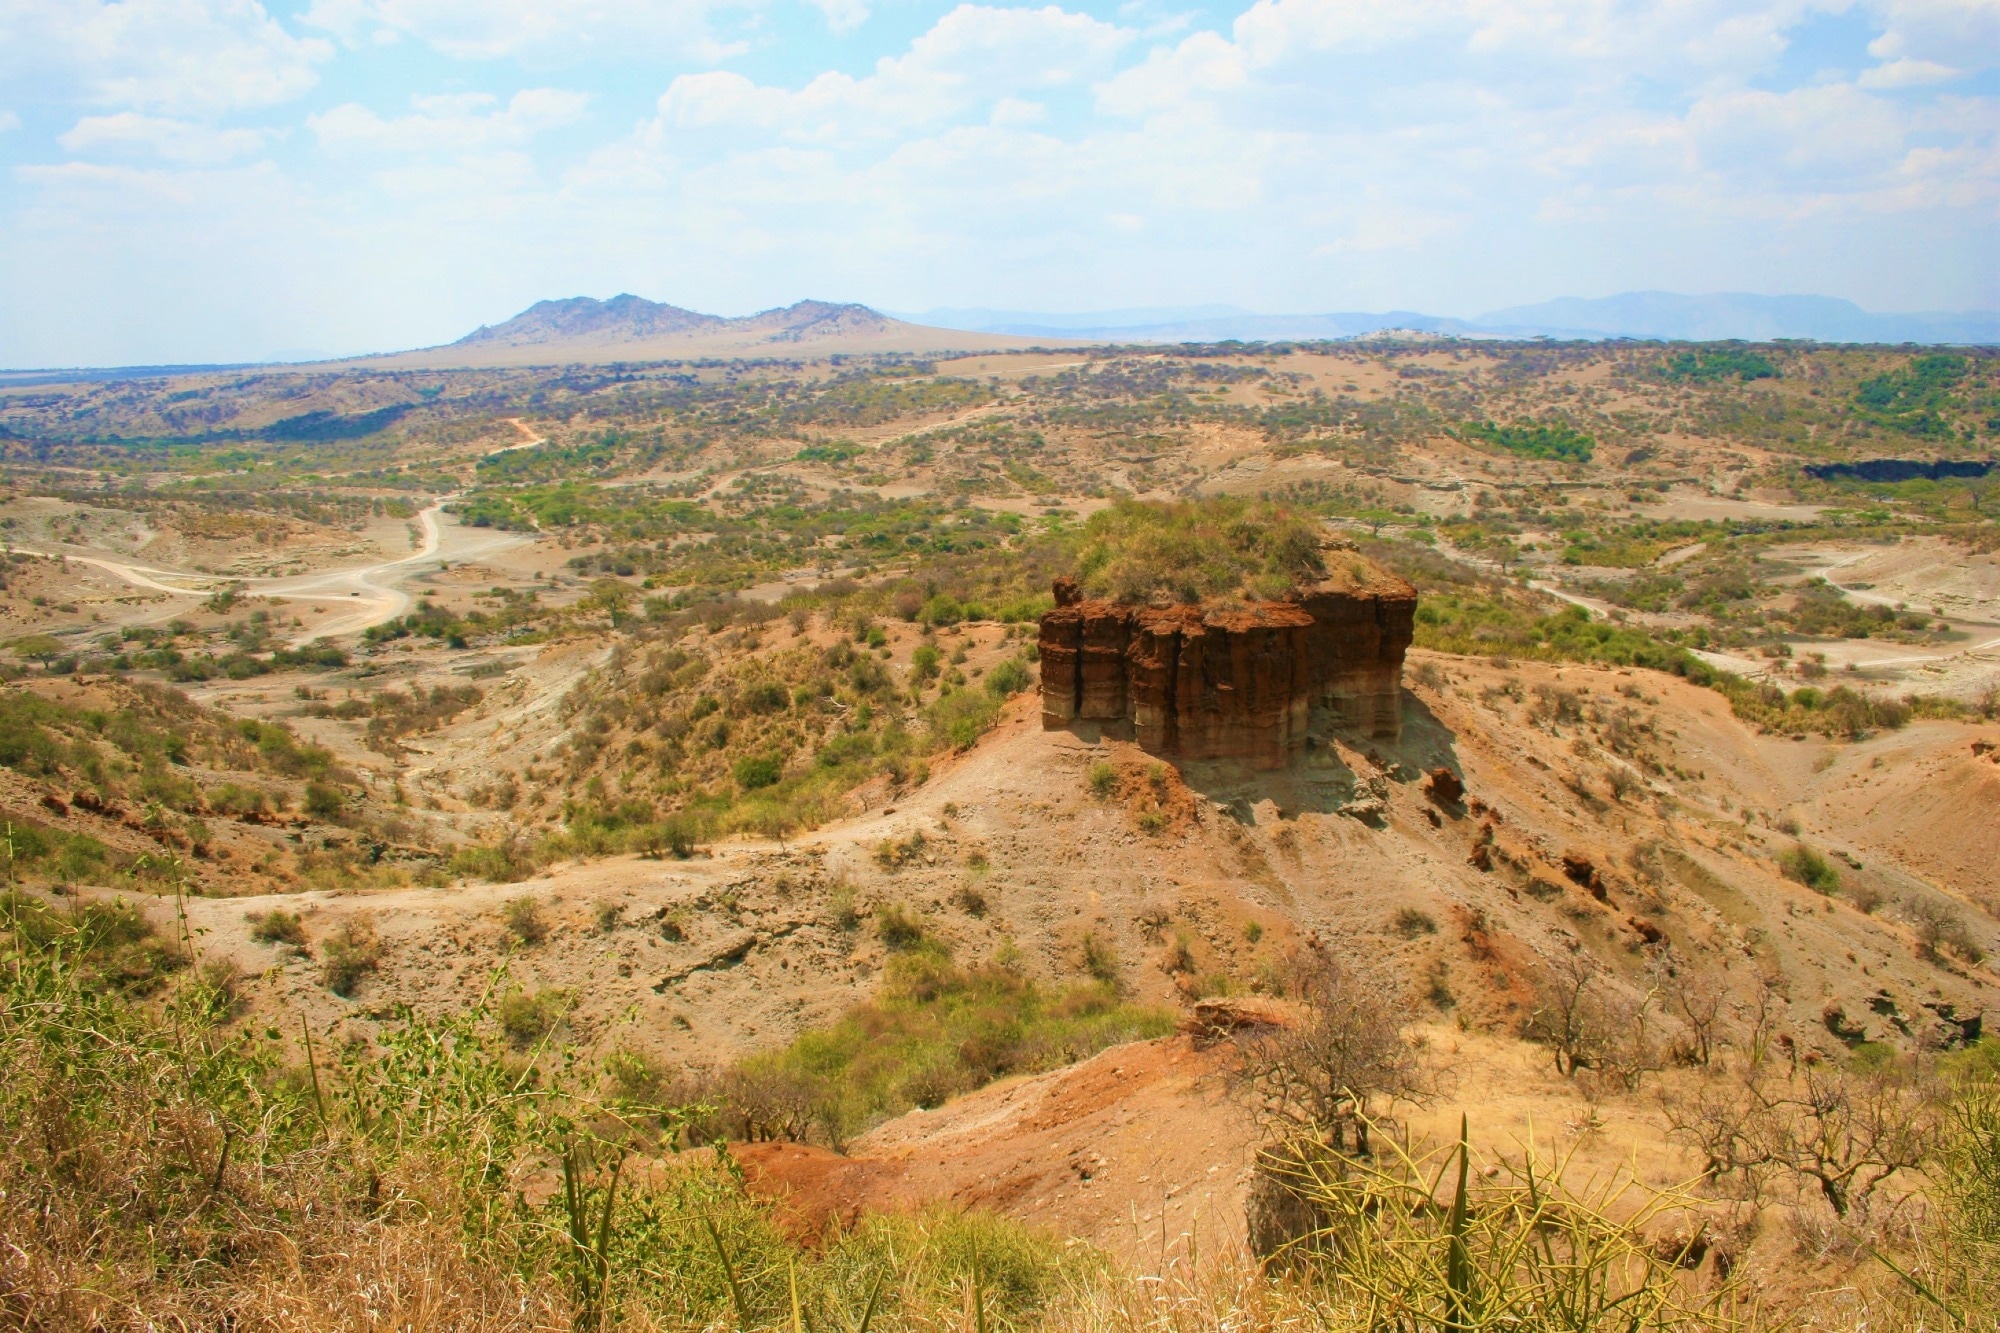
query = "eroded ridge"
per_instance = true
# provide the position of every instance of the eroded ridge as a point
(1237, 682)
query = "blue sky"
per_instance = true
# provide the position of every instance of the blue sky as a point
(197, 180)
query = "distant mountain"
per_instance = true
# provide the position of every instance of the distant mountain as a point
(581, 330)
(807, 320)
(624, 318)
(1736, 315)
(633, 319)
(1664, 315)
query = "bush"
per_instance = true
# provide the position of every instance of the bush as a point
(1103, 779)
(935, 1030)
(755, 772)
(898, 928)
(526, 1019)
(505, 863)
(524, 921)
(297, 1219)
(1806, 866)
(674, 836)
(1099, 959)
(1411, 922)
(323, 802)
(958, 718)
(1009, 678)
(1139, 552)
(348, 955)
(1939, 926)
(278, 926)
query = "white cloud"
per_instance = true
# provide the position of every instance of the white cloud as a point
(842, 16)
(1907, 74)
(451, 123)
(171, 140)
(1017, 111)
(972, 58)
(9, 121)
(173, 56)
(1962, 34)
(1829, 138)
(541, 29)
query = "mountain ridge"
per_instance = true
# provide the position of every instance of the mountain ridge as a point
(628, 318)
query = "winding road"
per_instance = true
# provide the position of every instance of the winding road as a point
(367, 594)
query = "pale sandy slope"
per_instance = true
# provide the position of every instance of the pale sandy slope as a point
(745, 345)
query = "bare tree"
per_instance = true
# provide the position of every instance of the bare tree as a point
(1842, 1134)
(1567, 1017)
(1321, 1074)
(1696, 997)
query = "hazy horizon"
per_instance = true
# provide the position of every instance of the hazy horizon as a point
(193, 181)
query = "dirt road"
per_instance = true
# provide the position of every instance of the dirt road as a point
(369, 594)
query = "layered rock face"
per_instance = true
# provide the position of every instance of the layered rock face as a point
(1235, 683)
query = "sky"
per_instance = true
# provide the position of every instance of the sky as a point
(221, 180)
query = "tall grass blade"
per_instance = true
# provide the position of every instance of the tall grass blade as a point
(1919, 1286)
(736, 1296)
(874, 1299)
(1458, 1257)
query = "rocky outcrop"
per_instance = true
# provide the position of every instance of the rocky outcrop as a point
(1236, 682)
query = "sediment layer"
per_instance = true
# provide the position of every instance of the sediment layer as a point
(1230, 683)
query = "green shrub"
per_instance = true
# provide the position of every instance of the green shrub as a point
(524, 921)
(323, 802)
(1806, 866)
(526, 1019)
(958, 718)
(1139, 551)
(1099, 959)
(348, 955)
(898, 928)
(496, 864)
(938, 1029)
(231, 798)
(754, 772)
(1009, 677)
(445, 1101)
(278, 926)
(1103, 779)
(1534, 440)
(112, 944)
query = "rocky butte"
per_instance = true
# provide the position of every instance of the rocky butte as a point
(1232, 681)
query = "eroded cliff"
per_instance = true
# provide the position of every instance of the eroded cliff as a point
(1237, 682)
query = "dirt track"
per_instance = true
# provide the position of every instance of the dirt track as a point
(368, 594)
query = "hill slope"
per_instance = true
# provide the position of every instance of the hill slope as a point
(584, 330)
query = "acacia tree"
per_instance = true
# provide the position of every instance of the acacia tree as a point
(1699, 999)
(43, 648)
(1840, 1133)
(1568, 1019)
(1320, 1074)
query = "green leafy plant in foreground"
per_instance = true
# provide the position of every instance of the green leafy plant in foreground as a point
(159, 1167)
